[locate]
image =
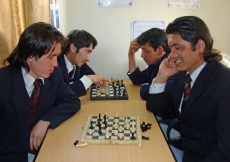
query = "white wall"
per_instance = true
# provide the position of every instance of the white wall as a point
(112, 28)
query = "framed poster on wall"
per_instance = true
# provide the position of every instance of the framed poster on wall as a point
(139, 26)
(112, 3)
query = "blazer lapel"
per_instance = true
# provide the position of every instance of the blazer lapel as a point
(46, 95)
(20, 97)
(202, 83)
(178, 91)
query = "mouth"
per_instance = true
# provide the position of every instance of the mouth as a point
(177, 62)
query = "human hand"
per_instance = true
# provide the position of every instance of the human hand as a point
(167, 69)
(38, 133)
(133, 48)
(99, 80)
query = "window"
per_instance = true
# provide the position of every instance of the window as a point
(54, 14)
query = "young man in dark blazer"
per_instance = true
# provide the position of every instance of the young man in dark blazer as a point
(202, 105)
(77, 74)
(27, 110)
(153, 44)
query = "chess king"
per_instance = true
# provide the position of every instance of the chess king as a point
(77, 74)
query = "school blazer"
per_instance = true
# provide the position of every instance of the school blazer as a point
(204, 122)
(57, 103)
(139, 77)
(77, 85)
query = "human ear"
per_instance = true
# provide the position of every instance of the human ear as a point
(73, 48)
(200, 46)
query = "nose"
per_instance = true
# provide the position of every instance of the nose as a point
(142, 54)
(88, 57)
(54, 62)
(173, 54)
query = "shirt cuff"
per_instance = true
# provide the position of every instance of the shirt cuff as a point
(86, 82)
(156, 87)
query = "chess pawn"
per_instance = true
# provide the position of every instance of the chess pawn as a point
(120, 135)
(120, 129)
(133, 124)
(115, 126)
(127, 126)
(90, 131)
(107, 134)
(115, 132)
(133, 129)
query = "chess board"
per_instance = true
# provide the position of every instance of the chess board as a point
(110, 92)
(118, 133)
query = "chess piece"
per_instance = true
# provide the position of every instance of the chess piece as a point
(132, 137)
(120, 135)
(91, 125)
(99, 117)
(120, 129)
(115, 132)
(107, 134)
(90, 131)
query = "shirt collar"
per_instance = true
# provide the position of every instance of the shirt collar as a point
(69, 66)
(28, 79)
(195, 74)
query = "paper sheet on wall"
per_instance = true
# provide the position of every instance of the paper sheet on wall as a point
(110, 3)
(192, 4)
(139, 26)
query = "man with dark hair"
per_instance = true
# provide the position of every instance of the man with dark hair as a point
(77, 74)
(153, 43)
(33, 94)
(199, 94)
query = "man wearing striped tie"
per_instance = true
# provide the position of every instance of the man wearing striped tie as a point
(199, 94)
(77, 74)
(33, 94)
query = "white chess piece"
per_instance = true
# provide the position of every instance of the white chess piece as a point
(133, 124)
(120, 135)
(81, 144)
(90, 131)
(115, 132)
(120, 129)
(115, 126)
(107, 134)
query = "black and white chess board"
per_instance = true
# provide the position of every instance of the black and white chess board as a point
(110, 92)
(112, 130)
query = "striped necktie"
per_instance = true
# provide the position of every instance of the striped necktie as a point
(71, 74)
(35, 93)
(187, 89)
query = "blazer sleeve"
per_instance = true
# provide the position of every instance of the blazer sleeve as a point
(78, 88)
(139, 77)
(86, 70)
(161, 102)
(65, 102)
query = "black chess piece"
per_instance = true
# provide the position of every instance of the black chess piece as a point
(105, 125)
(132, 137)
(91, 125)
(104, 119)
(99, 117)
(122, 85)
(99, 131)
(98, 123)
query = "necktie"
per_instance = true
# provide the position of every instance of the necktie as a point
(35, 92)
(33, 102)
(187, 89)
(71, 74)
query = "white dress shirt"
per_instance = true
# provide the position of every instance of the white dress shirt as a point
(29, 81)
(85, 80)
(158, 87)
